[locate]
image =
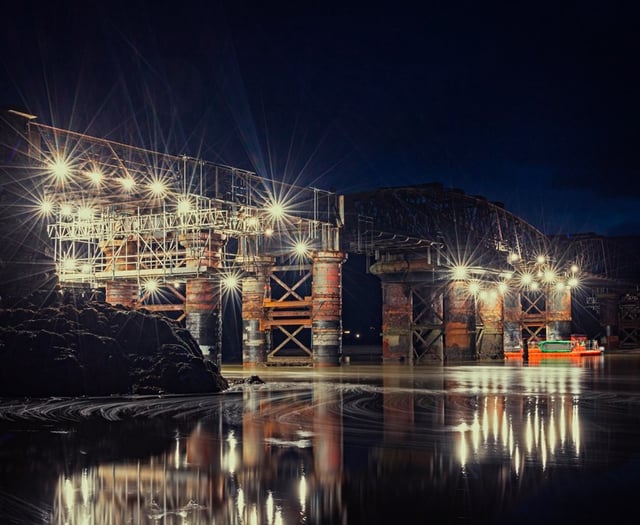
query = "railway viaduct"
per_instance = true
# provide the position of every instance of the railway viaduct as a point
(461, 277)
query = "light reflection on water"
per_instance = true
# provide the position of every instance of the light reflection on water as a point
(360, 444)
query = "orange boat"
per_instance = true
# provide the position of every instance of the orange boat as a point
(577, 346)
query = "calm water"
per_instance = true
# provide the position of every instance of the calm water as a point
(554, 442)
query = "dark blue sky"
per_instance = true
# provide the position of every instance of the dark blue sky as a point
(533, 104)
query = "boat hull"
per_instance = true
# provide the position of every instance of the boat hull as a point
(575, 348)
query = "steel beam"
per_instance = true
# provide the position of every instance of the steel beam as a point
(427, 324)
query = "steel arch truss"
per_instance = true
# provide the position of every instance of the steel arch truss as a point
(465, 227)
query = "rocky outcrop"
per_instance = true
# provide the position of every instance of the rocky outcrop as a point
(95, 349)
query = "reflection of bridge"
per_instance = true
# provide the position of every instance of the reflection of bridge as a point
(462, 278)
(287, 455)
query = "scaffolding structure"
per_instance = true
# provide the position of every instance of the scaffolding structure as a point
(138, 222)
(124, 212)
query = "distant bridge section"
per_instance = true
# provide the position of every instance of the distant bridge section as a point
(456, 227)
(464, 278)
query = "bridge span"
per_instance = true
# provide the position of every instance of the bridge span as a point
(461, 277)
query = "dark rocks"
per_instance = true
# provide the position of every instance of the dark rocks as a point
(97, 349)
(251, 380)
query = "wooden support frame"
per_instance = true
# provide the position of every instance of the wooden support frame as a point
(290, 314)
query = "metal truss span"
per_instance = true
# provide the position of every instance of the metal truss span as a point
(429, 216)
(119, 211)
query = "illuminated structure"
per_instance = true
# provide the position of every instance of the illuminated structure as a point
(461, 277)
(174, 234)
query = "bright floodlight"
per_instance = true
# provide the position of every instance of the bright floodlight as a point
(66, 210)
(503, 287)
(268, 232)
(85, 213)
(69, 264)
(513, 257)
(253, 222)
(534, 285)
(86, 268)
(276, 210)
(526, 278)
(184, 205)
(158, 188)
(573, 282)
(127, 183)
(574, 268)
(95, 176)
(230, 282)
(549, 276)
(301, 248)
(460, 272)
(560, 286)
(60, 169)
(541, 259)
(151, 285)
(46, 207)
(474, 287)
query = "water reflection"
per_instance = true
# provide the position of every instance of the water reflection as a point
(358, 445)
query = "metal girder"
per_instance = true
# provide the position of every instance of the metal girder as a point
(427, 325)
(100, 191)
(430, 215)
(424, 339)
(534, 317)
(611, 262)
(629, 327)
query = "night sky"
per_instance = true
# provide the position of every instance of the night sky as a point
(532, 104)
